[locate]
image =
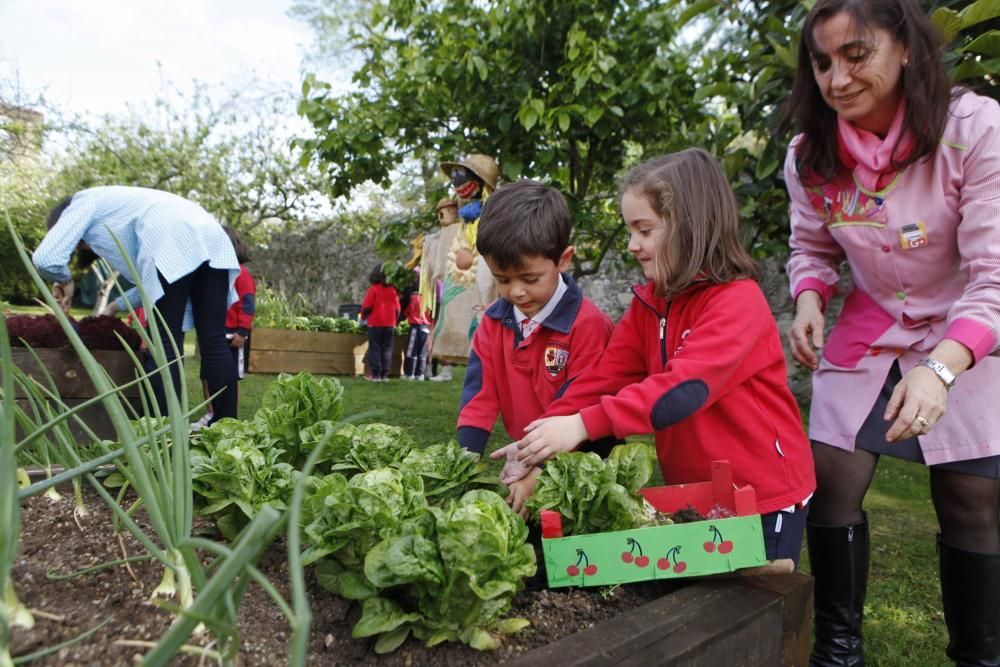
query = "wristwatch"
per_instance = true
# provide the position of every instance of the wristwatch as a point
(942, 371)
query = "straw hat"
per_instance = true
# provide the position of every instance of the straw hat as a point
(481, 165)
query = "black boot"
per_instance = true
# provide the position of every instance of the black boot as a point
(839, 559)
(970, 590)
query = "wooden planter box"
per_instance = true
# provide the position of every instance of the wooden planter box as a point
(760, 621)
(319, 352)
(74, 384)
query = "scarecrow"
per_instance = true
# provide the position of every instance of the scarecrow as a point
(450, 259)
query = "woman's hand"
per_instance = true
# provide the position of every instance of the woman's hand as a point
(544, 438)
(806, 332)
(917, 403)
(63, 292)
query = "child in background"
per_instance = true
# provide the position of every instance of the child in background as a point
(380, 308)
(539, 335)
(415, 361)
(239, 319)
(697, 358)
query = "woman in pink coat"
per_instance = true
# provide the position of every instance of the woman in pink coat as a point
(898, 173)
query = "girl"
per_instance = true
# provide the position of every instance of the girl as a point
(697, 358)
(381, 309)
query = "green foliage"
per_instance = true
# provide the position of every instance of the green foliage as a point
(553, 91)
(593, 496)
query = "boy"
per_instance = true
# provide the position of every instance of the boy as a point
(541, 332)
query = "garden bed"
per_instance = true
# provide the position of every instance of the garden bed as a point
(74, 385)
(318, 352)
(53, 542)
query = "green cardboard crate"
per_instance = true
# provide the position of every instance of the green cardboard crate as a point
(662, 552)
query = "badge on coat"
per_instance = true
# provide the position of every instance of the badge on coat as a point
(556, 357)
(912, 235)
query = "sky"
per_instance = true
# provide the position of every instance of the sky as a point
(96, 56)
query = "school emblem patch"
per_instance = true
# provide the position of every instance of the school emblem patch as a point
(556, 357)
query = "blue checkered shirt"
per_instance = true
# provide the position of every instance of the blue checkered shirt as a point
(159, 231)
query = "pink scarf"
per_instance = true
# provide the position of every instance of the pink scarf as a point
(869, 156)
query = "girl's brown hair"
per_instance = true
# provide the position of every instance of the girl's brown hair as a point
(927, 89)
(690, 193)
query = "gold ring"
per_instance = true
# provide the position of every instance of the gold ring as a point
(923, 421)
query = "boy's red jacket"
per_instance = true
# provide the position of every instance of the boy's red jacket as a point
(383, 301)
(520, 378)
(706, 373)
(240, 314)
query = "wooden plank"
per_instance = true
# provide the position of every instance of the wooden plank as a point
(736, 622)
(797, 591)
(71, 378)
(96, 417)
(308, 341)
(289, 361)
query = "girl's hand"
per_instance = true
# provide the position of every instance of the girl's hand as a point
(544, 438)
(918, 398)
(806, 332)
(237, 340)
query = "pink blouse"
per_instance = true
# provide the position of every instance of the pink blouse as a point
(924, 254)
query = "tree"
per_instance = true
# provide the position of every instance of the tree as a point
(566, 91)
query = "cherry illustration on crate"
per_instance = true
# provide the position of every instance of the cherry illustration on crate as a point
(665, 563)
(723, 546)
(589, 569)
(629, 556)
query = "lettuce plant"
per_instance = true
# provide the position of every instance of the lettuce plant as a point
(593, 496)
(449, 471)
(448, 574)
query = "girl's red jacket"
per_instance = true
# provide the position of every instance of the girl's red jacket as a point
(706, 373)
(383, 301)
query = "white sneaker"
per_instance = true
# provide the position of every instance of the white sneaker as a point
(443, 376)
(201, 423)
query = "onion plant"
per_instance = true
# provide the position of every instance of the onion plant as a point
(155, 462)
(12, 612)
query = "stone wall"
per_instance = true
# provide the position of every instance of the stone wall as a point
(319, 263)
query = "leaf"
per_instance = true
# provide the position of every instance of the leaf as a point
(528, 118)
(481, 67)
(564, 121)
(593, 115)
(380, 615)
(987, 44)
(390, 641)
(948, 22)
(509, 626)
(694, 10)
(766, 166)
(503, 122)
(481, 640)
(979, 11)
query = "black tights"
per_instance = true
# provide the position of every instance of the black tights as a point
(967, 506)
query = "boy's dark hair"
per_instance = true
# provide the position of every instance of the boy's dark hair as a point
(57, 211)
(926, 87)
(689, 191)
(377, 275)
(523, 219)
(242, 253)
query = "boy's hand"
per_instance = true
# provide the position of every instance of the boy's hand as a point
(513, 470)
(521, 490)
(544, 438)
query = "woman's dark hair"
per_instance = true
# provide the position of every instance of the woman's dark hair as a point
(242, 254)
(57, 211)
(377, 275)
(927, 89)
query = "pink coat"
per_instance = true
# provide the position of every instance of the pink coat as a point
(924, 255)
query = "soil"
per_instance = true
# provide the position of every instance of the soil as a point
(53, 541)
